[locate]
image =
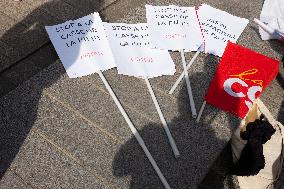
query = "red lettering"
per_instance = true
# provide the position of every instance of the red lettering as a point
(91, 54)
(142, 59)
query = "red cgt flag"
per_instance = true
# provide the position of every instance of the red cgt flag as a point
(240, 78)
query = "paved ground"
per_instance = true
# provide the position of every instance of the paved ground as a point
(57, 132)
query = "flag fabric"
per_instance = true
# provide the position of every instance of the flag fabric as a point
(240, 78)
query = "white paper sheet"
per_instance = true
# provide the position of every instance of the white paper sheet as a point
(82, 45)
(218, 28)
(173, 28)
(272, 14)
(133, 54)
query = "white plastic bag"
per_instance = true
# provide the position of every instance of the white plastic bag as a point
(272, 151)
(272, 14)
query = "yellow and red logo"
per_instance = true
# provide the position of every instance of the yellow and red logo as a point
(240, 79)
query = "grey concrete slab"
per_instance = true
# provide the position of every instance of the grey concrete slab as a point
(22, 24)
(13, 54)
(89, 6)
(19, 103)
(29, 25)
(56, 8)
(120, 8)
(6, 23)
(25, 69)
(22, 40)
(273, 97)
(14, 9)
(13, 133)
(165, 83)
(24, 43)
(133, 95)
(12, 181)
(92, 144)
(28, 15)
(4, 60)
(43, 166)
(191, 138)
(38, 3)
(24, 103)
(99, 107)
(134, 91)
(89, 143)
(131, 91)
(199, 146)
(6, 85)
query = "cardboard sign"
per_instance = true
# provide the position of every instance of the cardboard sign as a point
(218, 28)
(82, 45)
(130, 44)
(173, 27)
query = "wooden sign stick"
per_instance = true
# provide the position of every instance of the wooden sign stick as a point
(269, 30)
(162, 118)
(192, 104)
(183, 74)
(200, 111)
(134, 131)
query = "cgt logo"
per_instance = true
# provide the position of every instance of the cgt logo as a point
(240, 79)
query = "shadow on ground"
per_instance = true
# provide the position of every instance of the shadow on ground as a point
(13, 133)
(199, 144)
(279, 47)
(27, 44)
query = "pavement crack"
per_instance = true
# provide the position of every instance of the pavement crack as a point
(14, 171)
(77, 161)
(76, 112)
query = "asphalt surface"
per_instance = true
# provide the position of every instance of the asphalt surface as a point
(58, 132)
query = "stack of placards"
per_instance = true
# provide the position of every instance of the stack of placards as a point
(217, 28)
(86, 46)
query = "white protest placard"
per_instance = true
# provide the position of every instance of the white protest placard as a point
(133, 54)
(174, 28)
(134, 57)
(82, 45)
(219, 27)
